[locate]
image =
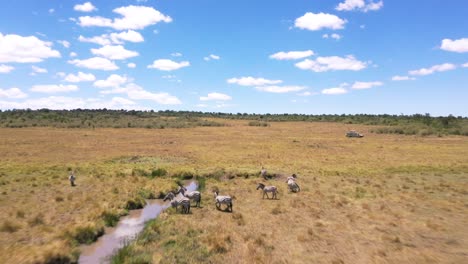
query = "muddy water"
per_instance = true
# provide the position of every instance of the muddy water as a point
(126, 230)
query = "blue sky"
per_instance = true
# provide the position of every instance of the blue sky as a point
(312, 57)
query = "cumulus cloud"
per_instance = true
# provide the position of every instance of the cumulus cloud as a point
(6, 68)
(465, 65)
(114, 52)
(80, 77)
(136, 92)
(15, 48)
(251, 81)
(86, 7)
(402, 78)
(458, 45)
(133, 17)
(311, 21)
(131, 65)
(333, 36)
(365, 85)
(333, 91)
(113, 81)
(12, 93)
(307, 93)
(333, 63)
(168, 65)
(36, 69)
(95, 63)
(211, 57)
(292, 55)
(433, 69)
(216, 97)
(61, 102)
(114, 38)
(341, 89)
(54, 88)
(280, 89)
(361, 5)
(64, 43)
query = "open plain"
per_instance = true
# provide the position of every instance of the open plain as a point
(378, 199)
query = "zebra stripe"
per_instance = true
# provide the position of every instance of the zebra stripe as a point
(223, 199)
(267, 189)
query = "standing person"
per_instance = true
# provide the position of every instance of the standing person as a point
(263, 172)
(72, 178)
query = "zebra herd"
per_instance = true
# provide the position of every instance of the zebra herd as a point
(183, 198)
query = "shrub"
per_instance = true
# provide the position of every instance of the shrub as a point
(136, 203)
(258, 123)
(110, 218)
(9, 227)
(87, 234)
(158, 172)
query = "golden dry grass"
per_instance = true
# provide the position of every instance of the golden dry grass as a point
(379, 199)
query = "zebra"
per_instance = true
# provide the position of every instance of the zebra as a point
(184, 202)
(193, 195)
(223, 199)
(292, 184)
(267, 189)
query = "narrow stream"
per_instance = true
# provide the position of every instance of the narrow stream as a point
(126, 230)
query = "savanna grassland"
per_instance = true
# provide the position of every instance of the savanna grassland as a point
(384, 198)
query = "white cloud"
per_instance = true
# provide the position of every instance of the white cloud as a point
(176, 54)
(335, 63)
(311, 21)
(136, 92)
(280, 89)
(292, 55)
(459, 45)
(216, 96)
(131, 65)
(133, 17)
(80, 77)
(333, 91)
(60, 102)
(465, 65)
(114, 52)
(51, 11)
(64, 43)
(12, 93)
(168, 65)
(73, 54)
(114, 38)
(101, 40)
(38, 69)
(6, 68)
(361, 5)
(54, 88)
(433, 69)
(365, 85)
(251, 81)
(333, 36)
(307, 93)
(113, 81)
(95, 63)
(341, 89)
(15, 48)
(86, 7)
(211, 57)
(402, 78)
(168, 76)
